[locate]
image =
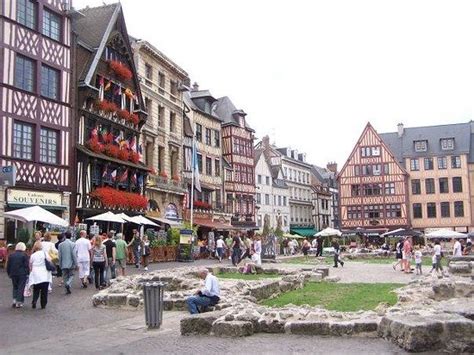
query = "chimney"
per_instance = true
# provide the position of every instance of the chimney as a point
(266, 142)
(332, 167)
(400, 129)
(195, 87)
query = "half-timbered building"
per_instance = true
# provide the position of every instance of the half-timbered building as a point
(238, 151)
(110, 174)
(372, 186)
(35, 106)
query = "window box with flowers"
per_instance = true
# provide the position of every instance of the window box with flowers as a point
(116, 199)
(120, 70)
(202, 205)
(106, 106)
(94, 145)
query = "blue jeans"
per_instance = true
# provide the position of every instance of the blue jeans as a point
(194, 301)
(136, 255)
(236, 252)
(19, 283)
(68, 275)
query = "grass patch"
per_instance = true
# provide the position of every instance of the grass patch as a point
(339, 297)
(311, 260)
(239, 276)
(426, 261)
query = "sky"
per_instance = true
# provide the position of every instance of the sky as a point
(311, 74)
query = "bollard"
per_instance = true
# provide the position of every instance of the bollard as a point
(153, 302)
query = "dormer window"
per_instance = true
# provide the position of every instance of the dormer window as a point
(447, 143)
(421, 146)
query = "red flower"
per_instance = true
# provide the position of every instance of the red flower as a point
(176, 177)
(124, 114)
(112, 150)
(123, 154)
(202, 204)
(108, 138)
(94, 145)
(134, 119)
(106, 106)
(112, 198)
(134, 157)
(120, 69)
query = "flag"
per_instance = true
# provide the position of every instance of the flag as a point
(107, 86)
(103, 133)
(124, 144)
(197, 182)
(104, 174)
(124, 176)
(140, 152)
(118, 139)
(133, 144)
(123, 100)
(101, 88)
(114, 175)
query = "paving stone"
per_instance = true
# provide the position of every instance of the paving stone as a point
(199, 323)
(232, 329)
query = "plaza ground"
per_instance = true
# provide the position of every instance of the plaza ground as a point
(70, 324)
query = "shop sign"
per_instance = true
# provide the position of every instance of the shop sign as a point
(28, 197)
(171, 211)
(185, 236)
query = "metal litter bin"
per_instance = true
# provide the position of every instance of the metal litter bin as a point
(153, 301)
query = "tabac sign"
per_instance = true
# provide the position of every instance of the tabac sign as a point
(28, 197)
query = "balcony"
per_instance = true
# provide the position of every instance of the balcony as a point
(165, 184)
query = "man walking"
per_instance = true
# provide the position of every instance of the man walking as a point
(120, 254)
(208, 296)
(236, 251)
(136, 243)
(110, 250)
(67, 261)
(83, 247)
(337, 252)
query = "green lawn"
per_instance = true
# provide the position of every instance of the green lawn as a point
(239, 276)
(338, 296)
(426, 261)
(311, 260)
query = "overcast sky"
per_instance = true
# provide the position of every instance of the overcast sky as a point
(311, 74)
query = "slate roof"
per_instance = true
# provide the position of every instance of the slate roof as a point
(403, 147)
(188, 100)
(225, 109)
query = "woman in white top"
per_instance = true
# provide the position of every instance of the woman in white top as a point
(40, 277)
(47, 244)
(220, 245)
(257, 251)
(438, 255)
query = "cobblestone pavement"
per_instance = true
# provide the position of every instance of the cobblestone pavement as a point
(70, 324)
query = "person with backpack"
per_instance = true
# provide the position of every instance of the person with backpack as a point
(398, 254)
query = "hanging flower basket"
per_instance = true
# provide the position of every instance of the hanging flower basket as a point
(94, 145)
(112, 150)
(134, 119)
(134, 157)
(123, 154)
(112, 198)
(123, 114)
(108, 138)
(120, 70)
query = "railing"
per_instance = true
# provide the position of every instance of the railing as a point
(165, 183)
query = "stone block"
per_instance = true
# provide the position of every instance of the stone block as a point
(464, 288)
(308, 327)
(341, 328)
(232, 329)
(117, 299)
(460, 267)
(324, 270)
(366, 325)
(199, 323)
(443, 290)
(133, 301)
(99, 299)
(332, 279)
(271, 325)
(316, 277)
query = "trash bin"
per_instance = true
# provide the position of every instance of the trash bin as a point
(153, 301)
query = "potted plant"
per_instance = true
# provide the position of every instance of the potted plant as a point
(112, 150)
(94, 145)
(120, 69)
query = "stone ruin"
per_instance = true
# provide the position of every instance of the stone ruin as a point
(432, 314)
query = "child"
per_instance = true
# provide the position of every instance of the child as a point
(433, 263)
(418, 260)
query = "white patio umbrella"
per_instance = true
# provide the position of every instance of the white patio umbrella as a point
(142, 220)
(107, 217)
(124, 217)
(446, 233)
(36, 214)
(328, 232)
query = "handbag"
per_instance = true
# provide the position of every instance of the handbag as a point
(53, 255)
(27, 289)
(49, 265)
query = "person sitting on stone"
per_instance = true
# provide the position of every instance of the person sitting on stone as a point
(247, 267)
(207, 296)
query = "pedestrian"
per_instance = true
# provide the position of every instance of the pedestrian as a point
(18, 270)
(468, 247)
(285, 247)
(207, 296)
(67, 261)
(83, 247)
(457, 250)
(236, 250)
(319, 251)
(433, 263)
(337, 250)
(136, 243)
(398, 255)
(99, 262)
(120, 253)
(110, 250)
(61, 238)
(292, 246)
(211, 245)
(257, 251)
(145, 250)
(438, 254)
(418, 261)
(40, 277)
(407, 251)
(247, 245)
(305, 248)
(220, 245)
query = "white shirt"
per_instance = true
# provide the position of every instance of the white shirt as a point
(457, 249)
(433, 259)
(257, 245)
(39, 273)
(211, 286)
(437, 249)
(418, 256)
(83, 246)
(47, 246)
(220, 243)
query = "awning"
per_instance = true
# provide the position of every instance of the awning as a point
(46, 207)
(212, 224)
(170, 222)
(304, 232)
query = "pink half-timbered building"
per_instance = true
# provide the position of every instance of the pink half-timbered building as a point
(372, 187)
(35, 105)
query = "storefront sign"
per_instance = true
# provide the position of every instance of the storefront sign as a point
(186, 236)
(28, 197)
(171, 211)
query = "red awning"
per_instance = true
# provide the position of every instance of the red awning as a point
(212, 224)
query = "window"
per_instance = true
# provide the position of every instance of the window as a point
(24, 73)
(267, 180)
(199, 162)
(172, 122)
(386, 169)
(431, 209)
(259, 198)
(161, 82)
(370, 151)
(208, 136)
(217, 167)
(355, 190)
(49, 82)
(284, 200)
(356, 170)
(442, 163)
(354, 212)
(198, 132)
(267, 199)
(414, 164)
(389, 188)
(26, 13)
(421, 146)
(48, 146)
(161, 115)
(373, 211)
(430, 186)
(208, 166)
(173, 88)
(444, 209)
(51, 25)
(457, 184)
(217, 139)
(148, 105)
(455, 162)
(372, 189)
(148, 74)
(259, 179)
(443, 186)
(417, 211)
(447, 143)
(415, 187)
(393, 211)
(22, 140)
(429, 164)
(458, 209)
